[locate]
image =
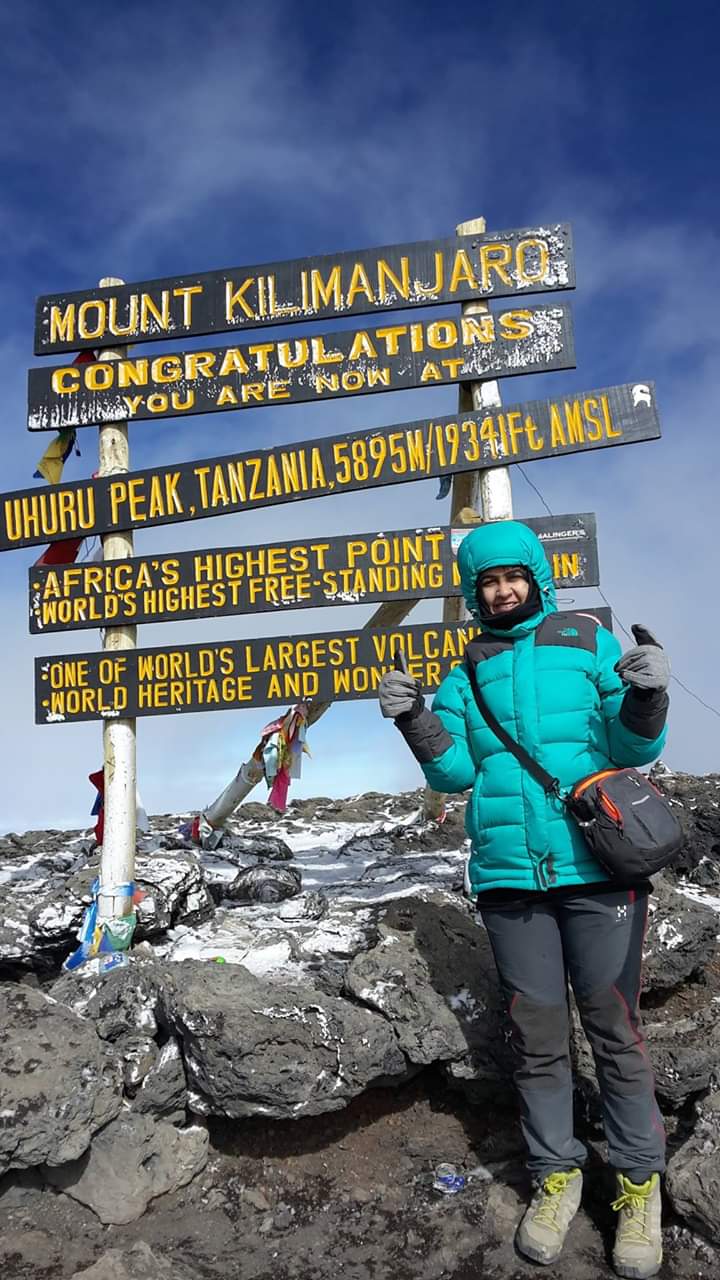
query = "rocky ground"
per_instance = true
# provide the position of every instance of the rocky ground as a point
(280, 1114)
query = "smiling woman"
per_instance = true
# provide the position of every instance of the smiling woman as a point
(503, 588)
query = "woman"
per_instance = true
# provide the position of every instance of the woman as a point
(559, 686)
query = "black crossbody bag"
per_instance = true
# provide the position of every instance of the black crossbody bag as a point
(627, 823)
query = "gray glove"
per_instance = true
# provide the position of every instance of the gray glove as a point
(398, 693)
(646, 666)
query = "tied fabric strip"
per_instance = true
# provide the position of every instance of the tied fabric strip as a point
(50, 468)
(98, 810)
(283, 744)
(107, 938)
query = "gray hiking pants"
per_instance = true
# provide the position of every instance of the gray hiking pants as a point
(596, 941)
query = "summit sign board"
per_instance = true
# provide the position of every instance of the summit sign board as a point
(390, 357)
(406, 564)
(405, 276)
(428, 447)
(333, 666)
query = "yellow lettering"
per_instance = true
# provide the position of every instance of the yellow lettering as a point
(252, 391)
(299, 357)
(321, 356)
(441, 334)
(273, 484)
(65, 381)
(534, 439)
(362, 345)
(516, 324)
(98, 377)
(557, 430)
(199, 362)
(233, 361)
(478, 329)
(400, 286)
(359, 283)
(84, 329)
(62, 323)
(494, 257)
(261, 351)
(133, 373)
(390, 335)
(235, 298)
(462, 272)
(575, 425)
(537, 250)
(323, 292)
(432, 290)
(114, 325)
(610, 431)
(186, 292)
(153, 317)
(166, 369)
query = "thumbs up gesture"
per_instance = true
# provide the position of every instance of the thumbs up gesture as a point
(646, 666)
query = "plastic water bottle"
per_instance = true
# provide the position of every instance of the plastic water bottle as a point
(447, 1180)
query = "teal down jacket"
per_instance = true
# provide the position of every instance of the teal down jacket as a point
(551, 683)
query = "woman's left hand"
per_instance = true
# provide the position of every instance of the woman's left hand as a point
(647, 665)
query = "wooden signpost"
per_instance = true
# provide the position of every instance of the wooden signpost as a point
(582, 422)
(472, 347)
(406, 564)
(389, 357)
(405, 276)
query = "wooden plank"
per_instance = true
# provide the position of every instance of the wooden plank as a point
(584, 421)
(320, 368)
(406, 564)
(357, 282)
(337, 666)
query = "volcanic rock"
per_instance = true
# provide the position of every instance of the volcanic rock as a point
(266, 882)
(693, 1175)
(254, 1048)
(681, 937)
(138, 1262)
(58, 1084)
(131, 1162)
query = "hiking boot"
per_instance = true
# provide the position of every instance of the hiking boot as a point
(541, 1234)
(638, 1242)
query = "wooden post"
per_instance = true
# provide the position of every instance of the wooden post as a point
(117, 866)
(487, 490)
(487, 493)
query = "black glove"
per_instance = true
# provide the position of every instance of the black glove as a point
(646, 666)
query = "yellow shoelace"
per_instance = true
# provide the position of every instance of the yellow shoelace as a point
(552, 1187)
(634, 1204)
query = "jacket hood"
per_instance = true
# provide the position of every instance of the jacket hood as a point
(505, 542)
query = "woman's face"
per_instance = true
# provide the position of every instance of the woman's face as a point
(504, 587)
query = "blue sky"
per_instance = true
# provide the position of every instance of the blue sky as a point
(171, 138)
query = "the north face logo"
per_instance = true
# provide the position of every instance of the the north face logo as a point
(569, 631)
